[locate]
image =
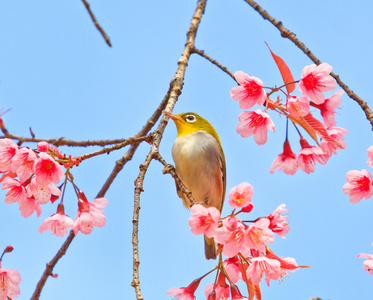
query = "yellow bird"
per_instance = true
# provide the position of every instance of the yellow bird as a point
(200, 164)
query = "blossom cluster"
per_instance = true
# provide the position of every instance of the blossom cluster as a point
(244, 243)
(315, 80)
(30, 176)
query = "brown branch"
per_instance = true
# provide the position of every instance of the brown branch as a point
(213, 61)
(99, 28)
(286, 33)
(64, 142)
(176, 87)
(118, 146)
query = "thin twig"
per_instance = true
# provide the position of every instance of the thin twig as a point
(176, 87)
(99, 28)
(286, 33)
(213, 61)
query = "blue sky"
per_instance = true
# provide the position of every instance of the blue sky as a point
(59, 78)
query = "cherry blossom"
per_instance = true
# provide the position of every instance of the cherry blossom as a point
(41, 193)
(316, 80)
(57, 223)
(222, 290)
(241, 195)
(255, 123)
(262, 264)
(23, 163)
(359, 185)
(257, 236)
(368, 264)
(336, 134)
(47, 170)
(16, 193)
(7, 150)
(327, 109)
(43, 146)
(204, 220)
(89, 214)
(278, 222)
(184, 293)
(233, 267)
(286, 161)
(308, 156)
(232, 235)
(298, 106)
(28, 206)
(249, 92)
(370, 156)
(9, 281)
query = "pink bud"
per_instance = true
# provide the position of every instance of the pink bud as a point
(248, 208)
(43, 146)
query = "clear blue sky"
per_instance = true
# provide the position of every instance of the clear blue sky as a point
(59, 77)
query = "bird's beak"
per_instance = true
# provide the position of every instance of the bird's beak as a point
(172, 116)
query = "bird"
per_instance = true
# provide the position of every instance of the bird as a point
(200, 165)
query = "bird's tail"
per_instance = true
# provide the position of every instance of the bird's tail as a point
(210, 248)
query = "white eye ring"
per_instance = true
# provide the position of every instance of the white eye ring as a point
(190, 118)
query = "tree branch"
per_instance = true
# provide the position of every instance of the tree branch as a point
(176, 87)
(286, 33)
(99, 28)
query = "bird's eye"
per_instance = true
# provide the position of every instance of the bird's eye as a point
(190, 118)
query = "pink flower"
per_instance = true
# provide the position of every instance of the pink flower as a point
(41, 193)
(255, 123)
(184, 293)
(43, 146)
(57, 223)
(7, 150)
(315, 81)
(47, 170)
(23, 163)
(231, 235)
(308, 156)
(262, 264)
(257, 236)
(278, 222)
(368, 264)
(16, 193)
(89, 214)
(327, 109)
(236, 294)
(359, 185)
(204, 220)
(336, 134)
(9, 281)
(298, 106)
(221, 289)
(249, 91)
(240, 195)
(233, 267)
(28, 206)
(286, 161)
(370, 156)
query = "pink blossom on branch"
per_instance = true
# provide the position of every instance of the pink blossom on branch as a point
(9, 281)
(57, 223)
(316, 80)
(263, 265)
(47, 170)
(338, 143)
(28, 206)
(184, 293)
(41, 193)
(222, 290)
(359, 185)
(16, 193)
(23, 163)
(241, 195)
(255, 123)
(278, 223)
(89, 214)
(7, 150)
(249, 92)
(43, 146)
(308, 156)
(257, 236)
(327, 109)
(204, 220)
(298, 106)
(286, 161)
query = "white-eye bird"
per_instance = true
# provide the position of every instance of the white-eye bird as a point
(200, 165)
